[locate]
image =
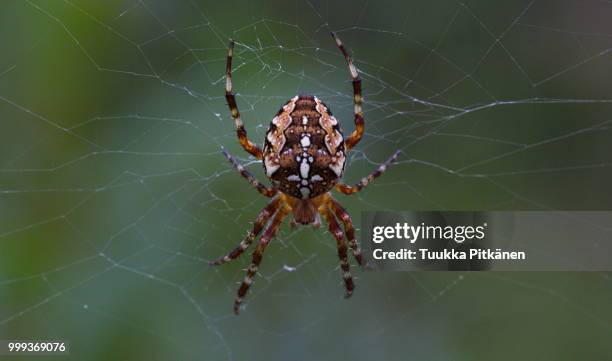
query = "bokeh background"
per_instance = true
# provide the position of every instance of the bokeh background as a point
(114, 193)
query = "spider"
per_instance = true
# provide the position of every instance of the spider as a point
(304, 156)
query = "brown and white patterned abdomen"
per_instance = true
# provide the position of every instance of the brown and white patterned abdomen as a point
(304, 148)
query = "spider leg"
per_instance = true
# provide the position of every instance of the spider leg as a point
(317, 222)
(268, 192)
(349, 229)
(355, 137)
(260, 222)
(335, 230)
(269, 233)
(347, 189)
(231, 102)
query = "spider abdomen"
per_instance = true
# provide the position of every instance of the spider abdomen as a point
(304, 152)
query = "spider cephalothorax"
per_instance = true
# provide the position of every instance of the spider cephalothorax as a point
(304, 156)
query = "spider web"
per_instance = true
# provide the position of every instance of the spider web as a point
(115, 194)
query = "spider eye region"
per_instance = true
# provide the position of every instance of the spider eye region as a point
(304, 151)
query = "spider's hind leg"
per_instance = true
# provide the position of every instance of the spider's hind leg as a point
(355, 137)
(231, 103)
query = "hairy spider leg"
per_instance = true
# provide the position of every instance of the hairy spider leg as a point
(346, 189)
(231, 102)
(269, 233)
(355, 137)
(268, 192)
(334, 229)
(349, 229)
(260, 222)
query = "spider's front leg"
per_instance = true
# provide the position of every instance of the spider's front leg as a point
(335, 230)
(269, 233)
(349, 229)
(260, 222)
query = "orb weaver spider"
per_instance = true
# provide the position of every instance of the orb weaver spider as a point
(304, 156)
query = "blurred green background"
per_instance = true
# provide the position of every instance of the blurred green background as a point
(114, 193)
